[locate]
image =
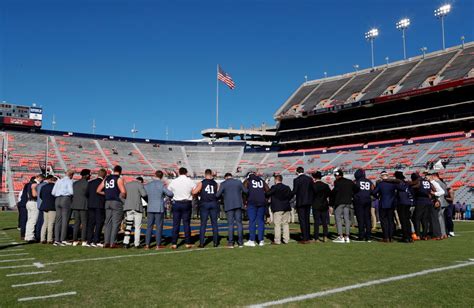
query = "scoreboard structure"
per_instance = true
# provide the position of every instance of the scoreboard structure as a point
(20, 116)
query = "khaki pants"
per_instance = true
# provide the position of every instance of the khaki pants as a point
(32, 219)
(48, 226)
(282, 219)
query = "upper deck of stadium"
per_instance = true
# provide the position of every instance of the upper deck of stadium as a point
(417, 75)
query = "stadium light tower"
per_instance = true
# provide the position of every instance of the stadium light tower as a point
(356, 67)
(402, 25)
(462, 41)
(386, 60)
(53, 122)
(441, 13)
(134, 130)
(370, 36)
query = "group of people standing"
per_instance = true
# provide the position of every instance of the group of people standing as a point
(107, 202)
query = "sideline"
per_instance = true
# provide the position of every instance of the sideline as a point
(24, 299)
(360, 285)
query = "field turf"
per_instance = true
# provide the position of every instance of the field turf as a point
(220, 277)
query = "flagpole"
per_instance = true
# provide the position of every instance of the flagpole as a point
(217, 97)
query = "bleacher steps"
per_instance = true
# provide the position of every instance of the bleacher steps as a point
(449, 62)
(342, 87)
(407, 75)
(58, 153)
(186, 161)
(420, 159)
(144, 157)
(375, 157)
(8, 173)
(101, 151)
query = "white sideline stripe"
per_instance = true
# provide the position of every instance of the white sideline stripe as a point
(27, 273)
(24, 299)
(15, 254)
(17, 260)
(17, 266)
(11, 250)
(36, 283)
(128, 256)
(359, 285)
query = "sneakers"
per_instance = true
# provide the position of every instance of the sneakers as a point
(347, 240)
(75, 243)
(451, 234)
(249, 244)
(339, 239)
(84, 244)
(64, 243)
(56, 244)
(99, 245)
(94, 245)
(262, 243)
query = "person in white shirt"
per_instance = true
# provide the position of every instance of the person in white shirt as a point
(437, 211)
(32, 208)
(182, 188)
(63, 192)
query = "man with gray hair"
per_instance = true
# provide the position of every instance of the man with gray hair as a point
(63, 192)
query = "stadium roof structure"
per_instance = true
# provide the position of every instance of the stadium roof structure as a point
(380, 83)
(263, 136)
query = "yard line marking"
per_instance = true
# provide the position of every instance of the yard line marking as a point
(27, 273)
(17, 260)
(24, 299)
(360, 285)
(127, 256)
(36, 283)
(17, 266)
(12, 250)
(15, 254)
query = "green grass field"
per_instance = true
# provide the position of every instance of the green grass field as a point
(238, 277)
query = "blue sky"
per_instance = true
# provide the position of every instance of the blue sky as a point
(153, 63)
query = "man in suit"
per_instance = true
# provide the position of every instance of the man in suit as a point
(341, 199)
(95, 210)
(231, 190)
(280, 195)
(303, 190)
(79, 207)
(320, 206)
(133, 209)
(156, 191)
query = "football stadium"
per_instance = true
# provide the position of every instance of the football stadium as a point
(361, 194)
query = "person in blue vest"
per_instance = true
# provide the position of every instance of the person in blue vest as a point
(231, 190)
(386, 192)
(113, 188)
(422, 191)
(256, 208)
(362, 204)
(206, 190)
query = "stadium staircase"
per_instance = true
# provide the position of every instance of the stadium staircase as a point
(58, 153)
(101, 151)
(186, 161)
(144, 157)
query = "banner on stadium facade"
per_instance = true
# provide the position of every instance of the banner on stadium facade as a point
(21, 122)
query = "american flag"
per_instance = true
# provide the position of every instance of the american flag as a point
(225, 78)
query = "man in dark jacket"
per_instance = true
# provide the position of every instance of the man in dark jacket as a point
(95, 210)
(256, 208)
(303, 190)
(403, 202)
(231, 190)
(280, 195)
(363, 204)
(341, 199)
(320, 206)
(386, 192)
(79, 207)
(422, 191)
(49, 209)
(22, 211)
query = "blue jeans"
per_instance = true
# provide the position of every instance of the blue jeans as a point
(235, 217)
(152, 219)
(256, 216)
(181, 210)
(209, 209)
(39, 224)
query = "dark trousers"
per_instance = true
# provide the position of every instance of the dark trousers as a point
(154, 219)
(39, 224)
(320, 217)
(80, 218)
(386, 220)
(22, 219)
(448, 216)
(435, 227)
(303, 218)
(95, 222)
(181, 211)
(234, 217)
(422, 215)
(209, 210)
(362, 212)
(404, 215)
